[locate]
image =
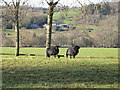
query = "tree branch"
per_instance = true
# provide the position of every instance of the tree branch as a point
(13, 3)
(64, 8)
(47, 2)
(24, 2)
(80, 3)
(58, 1)
(6, 3)
(91, 2)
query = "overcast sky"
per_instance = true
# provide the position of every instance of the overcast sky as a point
(71, 3)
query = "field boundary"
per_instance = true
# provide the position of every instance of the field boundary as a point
(76, 56)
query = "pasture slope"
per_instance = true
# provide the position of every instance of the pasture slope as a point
(39, 72)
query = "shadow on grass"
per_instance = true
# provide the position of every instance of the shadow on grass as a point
(82, 76)
(91, 57)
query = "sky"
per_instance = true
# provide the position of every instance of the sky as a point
(71, 3)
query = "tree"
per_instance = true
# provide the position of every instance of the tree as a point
(52, 5)
(105, 9)
(7, 18)
(14, 6)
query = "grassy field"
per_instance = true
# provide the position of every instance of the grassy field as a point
(81, 72)
(68, 15)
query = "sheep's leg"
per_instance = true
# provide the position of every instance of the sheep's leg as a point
(58, 56)
(74, 56)
(47, 55)
(66, 55)
(55, 56)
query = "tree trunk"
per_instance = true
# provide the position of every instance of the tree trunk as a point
(17, 32)
(49, 26)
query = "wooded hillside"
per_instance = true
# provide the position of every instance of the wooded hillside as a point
(98, 28)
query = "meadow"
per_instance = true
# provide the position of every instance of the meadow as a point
(92, 68)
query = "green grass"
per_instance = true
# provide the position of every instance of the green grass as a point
(38, 32)
(88, 26)
(11, 32)
(68, 15)
(41, 72)
(69, 22)
(98, 52)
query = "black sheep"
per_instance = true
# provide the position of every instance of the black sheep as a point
(53, 50)
(73, 51)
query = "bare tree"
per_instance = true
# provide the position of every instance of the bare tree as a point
(14, 6)
(52, 5)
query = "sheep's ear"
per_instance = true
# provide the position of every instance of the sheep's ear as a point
(56, 47)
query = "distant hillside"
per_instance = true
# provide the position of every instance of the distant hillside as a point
(74, 16)
(30, 17)
(71, 16)
(98, 29)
